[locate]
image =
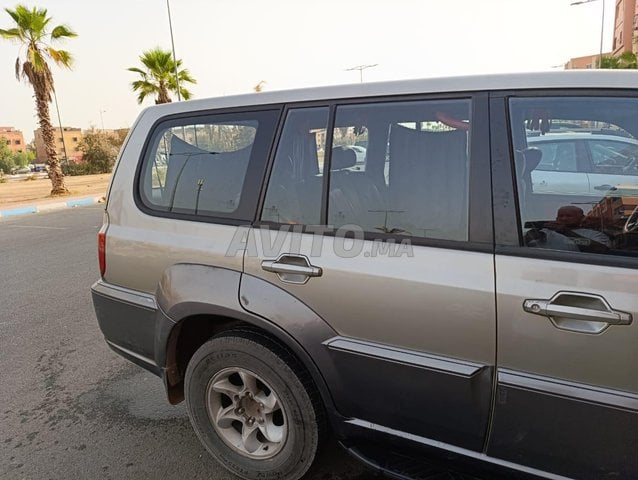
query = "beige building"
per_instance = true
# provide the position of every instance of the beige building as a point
(587, 62)
(13, 138)
(67, 137)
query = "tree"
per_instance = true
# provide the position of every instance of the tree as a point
(158, 77)
(22, 159)
(6, 158)
(626, 61)
(99, 151)
(34, 36)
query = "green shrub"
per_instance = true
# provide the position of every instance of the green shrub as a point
(72, 169)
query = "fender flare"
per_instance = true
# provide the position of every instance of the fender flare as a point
(186, 290)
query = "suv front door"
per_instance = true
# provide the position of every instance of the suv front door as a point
(411, 296)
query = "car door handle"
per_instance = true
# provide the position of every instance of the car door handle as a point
(292, 268)
(604, 187)
(543, 307)
(567, 309)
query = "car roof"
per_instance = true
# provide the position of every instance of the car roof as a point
(619, 79)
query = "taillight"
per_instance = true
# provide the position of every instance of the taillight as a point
(101, 251)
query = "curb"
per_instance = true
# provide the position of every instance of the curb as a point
(48, 207)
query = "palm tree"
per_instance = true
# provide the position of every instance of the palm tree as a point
(625, 61)
(159, 77)
(32, 32)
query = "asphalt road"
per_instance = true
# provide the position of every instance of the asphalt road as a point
(69, 406)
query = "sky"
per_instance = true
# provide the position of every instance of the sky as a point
(231, 45)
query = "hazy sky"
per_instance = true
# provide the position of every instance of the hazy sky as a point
(231, 45)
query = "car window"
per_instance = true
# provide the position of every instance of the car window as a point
(296, 182)
(556, 156)
(614, 157)
(200, 167)
(581, 133)
(413, 179)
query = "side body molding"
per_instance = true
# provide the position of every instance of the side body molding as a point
(190, 289)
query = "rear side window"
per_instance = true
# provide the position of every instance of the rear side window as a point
(296, 181)
(402, 168)
(207, 166)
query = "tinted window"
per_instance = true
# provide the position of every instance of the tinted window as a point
(201, 166)
(402, 168)
(593, 210)
(296, 181)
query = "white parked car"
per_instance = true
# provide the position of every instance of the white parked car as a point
(577, 163)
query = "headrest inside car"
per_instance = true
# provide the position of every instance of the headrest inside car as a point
(343, 157)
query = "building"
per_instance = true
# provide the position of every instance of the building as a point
(625, 34)
(625, 26)
(68, 138)
(587, 62)
(13, 138)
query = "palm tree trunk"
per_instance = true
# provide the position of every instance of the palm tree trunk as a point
(163, 97)
(55, 172)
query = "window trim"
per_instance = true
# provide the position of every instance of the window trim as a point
(244, 213)
(480, 214)
(507, 223)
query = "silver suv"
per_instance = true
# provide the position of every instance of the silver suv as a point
(437, 299)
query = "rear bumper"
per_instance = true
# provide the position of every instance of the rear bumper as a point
(130, 322)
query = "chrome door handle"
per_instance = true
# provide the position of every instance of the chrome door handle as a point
(292, 268)
(277, 267)
(543, 307)
(567, 309)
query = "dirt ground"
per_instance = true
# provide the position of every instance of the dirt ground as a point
(20, 191)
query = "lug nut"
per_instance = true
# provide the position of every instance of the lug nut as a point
(261, 405)
(240, 410)
(251, 421)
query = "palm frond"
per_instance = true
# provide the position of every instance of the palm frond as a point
(62, 31)
(61, 57)
(12, 34)
(186, 94)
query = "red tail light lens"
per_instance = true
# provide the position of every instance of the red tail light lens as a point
(101, 251)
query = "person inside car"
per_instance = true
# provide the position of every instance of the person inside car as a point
(568, 232)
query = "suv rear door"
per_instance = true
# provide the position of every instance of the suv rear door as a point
(405, 276)
(567, 398)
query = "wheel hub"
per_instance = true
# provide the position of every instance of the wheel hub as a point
(246, 413)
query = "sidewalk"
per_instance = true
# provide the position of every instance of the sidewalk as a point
(47, 206)
(24, 197)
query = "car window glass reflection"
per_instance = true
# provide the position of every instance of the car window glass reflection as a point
(577, 174)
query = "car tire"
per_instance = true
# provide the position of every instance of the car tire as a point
(242, 376)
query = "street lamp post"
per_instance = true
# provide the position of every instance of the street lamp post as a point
(602, 27)
(361, 68)
(66, 158)
(170, 26)
(102, 118)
